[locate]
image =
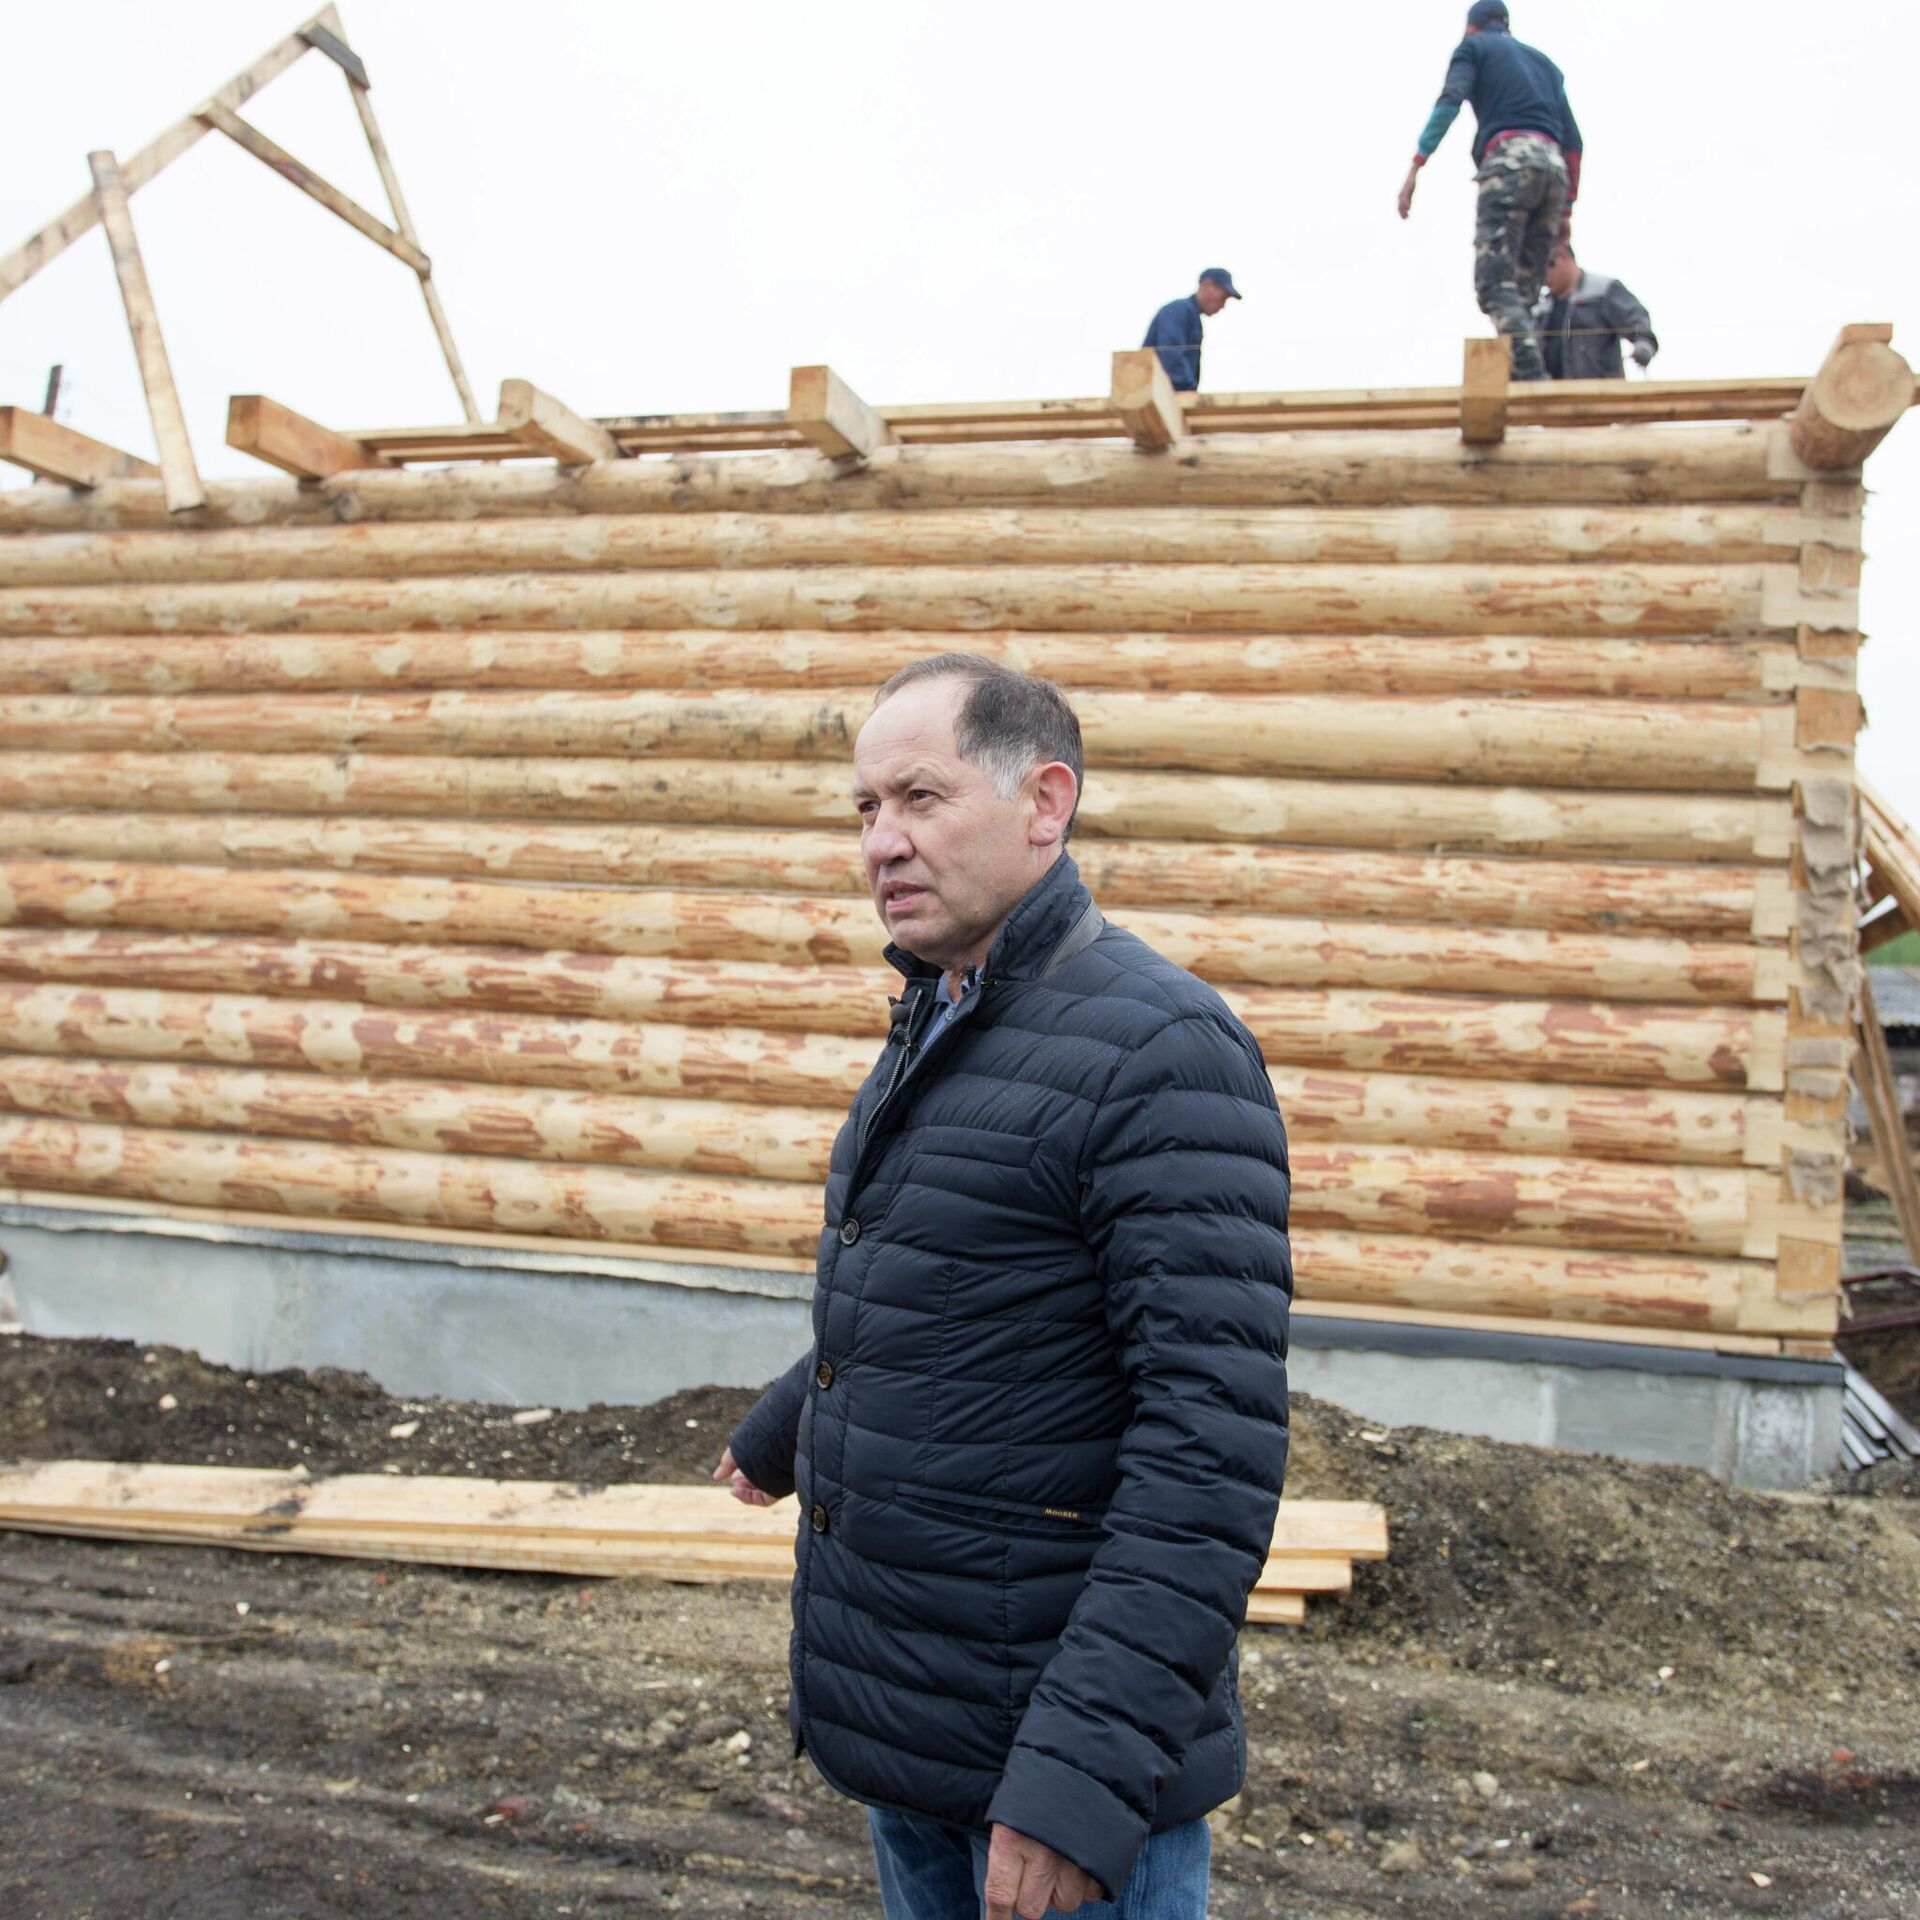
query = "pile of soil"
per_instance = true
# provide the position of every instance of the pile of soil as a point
(1577, 1687)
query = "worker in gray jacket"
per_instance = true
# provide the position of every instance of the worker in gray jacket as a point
(1582, 318)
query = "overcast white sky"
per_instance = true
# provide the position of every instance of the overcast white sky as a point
(647, 207)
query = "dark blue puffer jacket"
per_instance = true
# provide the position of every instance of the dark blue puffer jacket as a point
(1040, 1436)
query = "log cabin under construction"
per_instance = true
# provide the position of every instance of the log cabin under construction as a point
(432, 935)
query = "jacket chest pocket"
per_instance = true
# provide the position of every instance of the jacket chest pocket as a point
(976, 1164)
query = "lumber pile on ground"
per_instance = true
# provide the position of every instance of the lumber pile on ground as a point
(694, 1534)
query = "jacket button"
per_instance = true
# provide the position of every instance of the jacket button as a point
(819, 1518)
(849, 1232)
(824, 1373)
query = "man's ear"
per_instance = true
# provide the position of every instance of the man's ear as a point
(1054, 792)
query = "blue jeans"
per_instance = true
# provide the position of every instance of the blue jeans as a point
(931, 1872)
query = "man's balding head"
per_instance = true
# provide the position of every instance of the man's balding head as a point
(966, 778)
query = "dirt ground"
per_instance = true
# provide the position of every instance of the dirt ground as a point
(1577, 1688)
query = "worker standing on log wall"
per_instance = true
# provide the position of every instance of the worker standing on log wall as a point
(1527, 150)
(1583, 318)
(1177, 329)
(1040, 1435)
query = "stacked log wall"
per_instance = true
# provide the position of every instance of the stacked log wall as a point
(470, 852)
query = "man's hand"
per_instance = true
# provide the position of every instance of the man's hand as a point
(1643, 352)
(1026, 1878)
(1406, 190)
(738, 1484)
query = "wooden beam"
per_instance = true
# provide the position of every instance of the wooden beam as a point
(53, 452)
(1483, 391)
(1892, 849)
(270, 153)
(1874, 1070)
(178, 471)
(402, 219)
(541, 424)
(18, 267)
(1852, 403)
(828, 414)
(292, 442)
(1149, 409)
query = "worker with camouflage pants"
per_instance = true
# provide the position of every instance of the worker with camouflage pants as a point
(1527, 150)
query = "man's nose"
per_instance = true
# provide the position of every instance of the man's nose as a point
(886, 841)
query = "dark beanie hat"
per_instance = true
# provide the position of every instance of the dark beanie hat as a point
(1487, 13)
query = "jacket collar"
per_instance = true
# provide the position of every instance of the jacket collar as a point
(1050, 910)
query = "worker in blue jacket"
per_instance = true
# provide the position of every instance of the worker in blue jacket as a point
(1527, 149)
(1176, 329)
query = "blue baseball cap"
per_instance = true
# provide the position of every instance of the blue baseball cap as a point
(1222, 278)
(1487, 13)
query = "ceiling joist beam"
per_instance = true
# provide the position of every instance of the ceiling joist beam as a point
(50, 451)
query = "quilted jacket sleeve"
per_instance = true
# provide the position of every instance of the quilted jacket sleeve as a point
(764, 1442)
(1184, 1192)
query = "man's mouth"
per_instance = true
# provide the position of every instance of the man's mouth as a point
(898, 895)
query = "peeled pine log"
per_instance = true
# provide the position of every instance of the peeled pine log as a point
(482, 1106)
(1437, 1275)
(324, 1179)
(1552, 1201)
(1119, 803)
(1854, 401)
(757, 1066)
(1343, 884)
(1550, 466)
(981, 536)
(1520, 1197)
(432, 1116)
(1263, 950)
(1378, 663)
(301, 1177)
(1664, 744)
(1594, 1042)
(1701, 598)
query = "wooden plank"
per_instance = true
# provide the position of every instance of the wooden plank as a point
(403, 220)
(180, 476)
(541, 424)
(1313, 1546)
(1276, 1610)
(18, 267)
(1483, 391)
(50, 451)
(829, 415)
(270, 153)
(291, 442)
(1143, 397)
(1887, 1120)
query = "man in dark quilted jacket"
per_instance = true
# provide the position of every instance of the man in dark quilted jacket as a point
(1041, 1431)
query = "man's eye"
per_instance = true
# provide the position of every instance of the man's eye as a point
(919, 794)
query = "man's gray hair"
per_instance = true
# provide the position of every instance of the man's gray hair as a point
(1008, 723)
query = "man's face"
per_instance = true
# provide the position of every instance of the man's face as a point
(1563, 275)
(947, 859)
(1211, 295)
